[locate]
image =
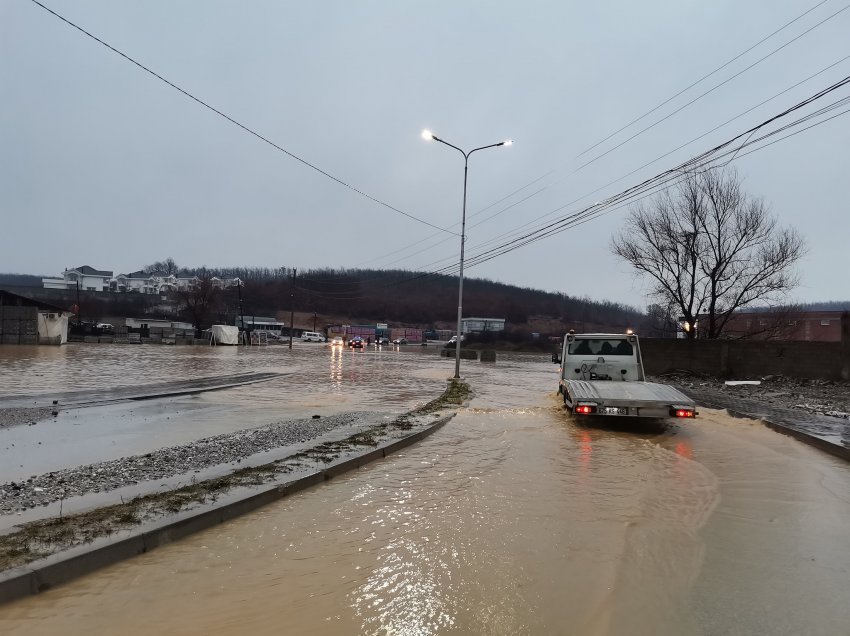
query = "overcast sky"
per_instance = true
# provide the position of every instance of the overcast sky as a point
(102, 164)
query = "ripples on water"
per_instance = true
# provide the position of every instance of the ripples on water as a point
(512, 519)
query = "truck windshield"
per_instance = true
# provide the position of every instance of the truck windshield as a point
(607, 347)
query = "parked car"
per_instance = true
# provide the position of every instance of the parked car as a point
(453, 339)
(312, 336)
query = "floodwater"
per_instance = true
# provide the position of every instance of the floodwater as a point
(315, 380)
(511, 519)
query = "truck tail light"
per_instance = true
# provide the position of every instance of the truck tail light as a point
(682, 411)
(585, 409)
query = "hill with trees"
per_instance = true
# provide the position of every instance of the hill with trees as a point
(413, 299)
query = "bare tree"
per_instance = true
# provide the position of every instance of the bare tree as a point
(200, 300)
(168, 267)
(710, 250)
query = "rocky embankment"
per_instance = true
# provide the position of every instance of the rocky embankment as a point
(813, 397)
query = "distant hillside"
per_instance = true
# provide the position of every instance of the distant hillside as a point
(411, 298)
(361, 296)
(19, 280)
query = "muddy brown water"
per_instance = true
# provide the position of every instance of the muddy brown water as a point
(512, 519)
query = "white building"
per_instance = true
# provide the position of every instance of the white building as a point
(140, 282)
(164, 323)
(477, 325)
(260, 323)
(88, 279)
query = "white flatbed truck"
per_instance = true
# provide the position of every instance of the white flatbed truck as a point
(601, 374)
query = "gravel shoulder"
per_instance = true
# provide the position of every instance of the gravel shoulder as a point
(17, 416)
(228, 448)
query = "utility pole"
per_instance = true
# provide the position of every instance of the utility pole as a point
(291, 305)
(241, 312)
(314, 321)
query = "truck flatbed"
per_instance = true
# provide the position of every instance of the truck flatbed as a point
(641, 399)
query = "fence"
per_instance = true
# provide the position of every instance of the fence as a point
(18, 325)
(742, 359)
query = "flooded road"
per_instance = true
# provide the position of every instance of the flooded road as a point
(512, 519)
(315, 380)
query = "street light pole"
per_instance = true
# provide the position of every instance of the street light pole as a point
(427, 134)
(291, 306)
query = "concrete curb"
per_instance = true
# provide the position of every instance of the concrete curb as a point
(67, 565)
(807, 438)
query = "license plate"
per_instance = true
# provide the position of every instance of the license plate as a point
(615, 410)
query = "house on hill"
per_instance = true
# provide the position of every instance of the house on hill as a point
(140, 282)
(87, 278)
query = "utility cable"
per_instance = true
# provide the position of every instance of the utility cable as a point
(701, 79)
(775, 32)
(711, 90)
(518, 230)
(696, 163)
(241, 125)
(676, 95)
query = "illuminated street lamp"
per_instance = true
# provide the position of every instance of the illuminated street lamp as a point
(427, 134)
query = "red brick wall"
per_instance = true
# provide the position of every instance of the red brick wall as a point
(815, 326)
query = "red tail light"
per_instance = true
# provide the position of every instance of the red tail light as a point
(585, 409)
(683, 412)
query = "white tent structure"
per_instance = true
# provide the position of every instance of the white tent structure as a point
(52, 328)
(224, 335)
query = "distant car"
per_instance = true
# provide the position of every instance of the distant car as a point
(312, 336)
(337, 341)
(453, 339)
(105, 326)
(356, 342)
(382, 341)
(400, 341)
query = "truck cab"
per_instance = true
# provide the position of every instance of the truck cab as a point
(601, 356)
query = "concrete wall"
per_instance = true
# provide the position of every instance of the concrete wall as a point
(745, 359)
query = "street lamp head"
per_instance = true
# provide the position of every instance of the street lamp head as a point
(508, 142)
(427, 134)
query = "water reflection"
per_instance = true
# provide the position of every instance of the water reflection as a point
(336, 369)
(510, 520)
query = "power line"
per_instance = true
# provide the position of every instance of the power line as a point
(610, 183)
(711, 90)
(659, 106)
(670, 177)
(241, 125)
(701, 79)
(658, 182)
